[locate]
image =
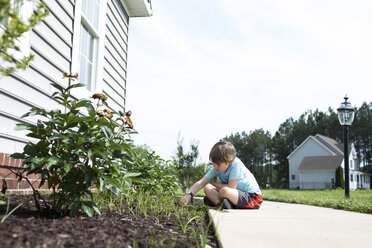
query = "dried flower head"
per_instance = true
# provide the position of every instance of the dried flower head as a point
(129, 113)
(129, 121)
(65, 74)
(100, 113)
(108, 113)
(100, 96)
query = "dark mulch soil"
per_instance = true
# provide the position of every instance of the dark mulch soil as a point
(28, 228)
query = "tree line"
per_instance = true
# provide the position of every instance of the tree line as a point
(265, 154)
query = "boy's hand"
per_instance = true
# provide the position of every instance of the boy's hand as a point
(184, 200)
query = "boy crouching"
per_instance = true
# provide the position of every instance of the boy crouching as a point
(237, 187)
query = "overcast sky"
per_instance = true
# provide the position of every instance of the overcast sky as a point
(210, 68)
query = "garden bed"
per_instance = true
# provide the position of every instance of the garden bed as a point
(120, 225)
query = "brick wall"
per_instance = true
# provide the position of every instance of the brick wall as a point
(14, 185)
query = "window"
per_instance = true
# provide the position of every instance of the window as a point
(351, 178)
(90, 10)
(86, 57)
(88, 42)
(293, 177)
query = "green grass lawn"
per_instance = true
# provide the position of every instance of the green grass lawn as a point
(359, 201)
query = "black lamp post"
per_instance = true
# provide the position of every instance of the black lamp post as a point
(346, 116)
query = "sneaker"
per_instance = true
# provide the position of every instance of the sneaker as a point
(226, 204)
(208, 202)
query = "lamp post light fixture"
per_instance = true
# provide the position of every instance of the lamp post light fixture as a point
(345, 117)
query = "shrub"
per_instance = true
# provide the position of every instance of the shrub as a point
(340, 182)
(157, 175)
(78, 148)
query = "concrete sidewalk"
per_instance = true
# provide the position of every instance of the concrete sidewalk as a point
(292, 225)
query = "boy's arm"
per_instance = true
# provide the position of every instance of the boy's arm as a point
(232, 184)
(194, 189)
(199, 185)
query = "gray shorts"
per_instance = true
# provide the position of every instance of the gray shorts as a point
(249, 200)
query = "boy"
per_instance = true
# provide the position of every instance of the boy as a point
(237, 184)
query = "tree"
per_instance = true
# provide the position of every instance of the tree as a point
(14, 27)
(254, 149)
(258, 147)
(340, 182)
(362, 135)
(283, 144)
(185, 163)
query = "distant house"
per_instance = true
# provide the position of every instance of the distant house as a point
(312, 165)
(85, 36)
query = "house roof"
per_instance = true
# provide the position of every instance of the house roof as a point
(139, 8)
(322, 144)
(320, 163)
(331, 143)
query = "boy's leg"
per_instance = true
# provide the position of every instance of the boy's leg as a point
(212, 193)
(229, 193)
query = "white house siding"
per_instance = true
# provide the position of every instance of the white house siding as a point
(317, 179)
(115, 54)
(52, 44)
(308, 148)
(359, 180)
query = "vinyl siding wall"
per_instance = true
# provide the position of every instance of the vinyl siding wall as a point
(115, 54)
(52, 44)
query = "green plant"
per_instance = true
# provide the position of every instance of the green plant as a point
(186, 164)
(78, 147)
(340, 182)
(14, 26)
(157, 175)
(162, 209)
(7, 213)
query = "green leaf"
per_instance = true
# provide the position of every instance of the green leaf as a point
(63, 138)
(107, 131)
(95, 207)
(101, 183)
(131, 174)
(21, 127)
(74, 208)
(58, 87)
(52, 161)
(35, 111)
(67, 166)
(81, 103)
(17, 155)
(30, 150)
(88, 208)
(75, 86)
(81, 140)
(90, 155)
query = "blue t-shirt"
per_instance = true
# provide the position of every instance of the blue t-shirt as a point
(237, 170)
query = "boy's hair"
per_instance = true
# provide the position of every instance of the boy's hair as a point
(222, 152)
